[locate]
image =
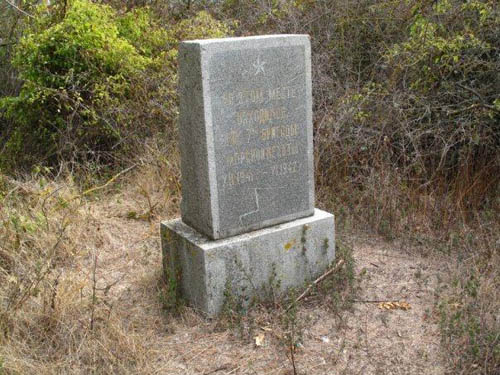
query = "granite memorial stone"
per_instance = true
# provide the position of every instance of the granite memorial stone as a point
(245, 133)
(245, 136)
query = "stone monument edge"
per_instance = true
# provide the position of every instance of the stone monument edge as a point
(242, 40)
(210, 144)
(195, 173)
(309, 119)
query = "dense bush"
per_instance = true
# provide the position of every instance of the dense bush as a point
(71, 68)
(93, 80)
(444, 74)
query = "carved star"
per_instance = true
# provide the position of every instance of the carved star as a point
(259, 66)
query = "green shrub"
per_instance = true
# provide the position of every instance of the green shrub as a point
(93, 81)
(71, 67)
(449, 64)
(202, 26)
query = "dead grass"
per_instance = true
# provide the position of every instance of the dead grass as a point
(133, 334)
(82, 292)
(469, 303)
(67, 262)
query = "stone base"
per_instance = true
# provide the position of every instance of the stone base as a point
(247, 265)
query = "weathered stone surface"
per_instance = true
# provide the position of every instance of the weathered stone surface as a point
(248, 218)
(247, 265)
(245, 133)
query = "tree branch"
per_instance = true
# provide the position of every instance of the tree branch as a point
(480, 97)
(18, 9)
(5, 44)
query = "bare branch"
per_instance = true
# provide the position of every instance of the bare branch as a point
(18, 9)
(5, 44)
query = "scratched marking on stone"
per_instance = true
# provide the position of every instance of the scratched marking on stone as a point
(256, 192)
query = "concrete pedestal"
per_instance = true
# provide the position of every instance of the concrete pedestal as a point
(247, 265)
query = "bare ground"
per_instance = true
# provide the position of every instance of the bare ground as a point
(364, 340)
(108, 314)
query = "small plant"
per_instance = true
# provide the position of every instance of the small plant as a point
(469, 328)
(303, 237)
(169, 292)
(326, 245)
(232, 310)
(272, 291)
(292, 331)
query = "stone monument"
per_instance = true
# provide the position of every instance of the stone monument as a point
(246, 142)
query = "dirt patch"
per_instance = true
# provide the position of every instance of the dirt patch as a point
(375, 340)
(365, 340)
(106, 313)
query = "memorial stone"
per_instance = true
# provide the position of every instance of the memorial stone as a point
(245, 135)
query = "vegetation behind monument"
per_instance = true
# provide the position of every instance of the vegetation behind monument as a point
(94, 81)
(406, 106)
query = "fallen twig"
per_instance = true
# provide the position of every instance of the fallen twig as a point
(220, 368)
(19, 9)
(86, 192)
(316, 282)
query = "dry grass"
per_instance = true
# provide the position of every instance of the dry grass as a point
(67, 261)
(469, 303)
(81, 292)
(108, 316)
